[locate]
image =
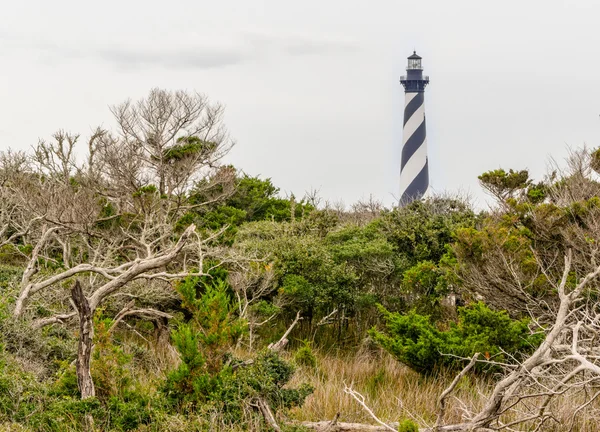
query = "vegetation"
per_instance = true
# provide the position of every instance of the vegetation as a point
(147, 286)
(415, 341)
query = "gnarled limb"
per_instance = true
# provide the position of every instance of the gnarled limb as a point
(281, 343)
(450, 389)
(86, 336)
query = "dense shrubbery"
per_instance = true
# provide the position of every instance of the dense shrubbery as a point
(266, 258)
(322, 263)
(209, 378)
(415, 341)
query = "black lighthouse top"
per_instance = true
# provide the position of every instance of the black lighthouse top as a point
(414, 81)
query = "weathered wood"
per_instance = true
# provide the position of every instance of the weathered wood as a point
(263, 405)
(327, 426)
(84, 349)
(281, 343)
(450, 389)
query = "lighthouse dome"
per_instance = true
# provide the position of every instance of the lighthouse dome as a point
(414, 62)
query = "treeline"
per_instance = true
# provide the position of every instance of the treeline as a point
(195, 276)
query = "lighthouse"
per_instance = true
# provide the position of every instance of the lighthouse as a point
(414, 170)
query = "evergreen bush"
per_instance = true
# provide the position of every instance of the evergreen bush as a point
(415, 341)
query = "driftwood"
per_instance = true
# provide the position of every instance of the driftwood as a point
(86, 336)
(450, 389)
(327, 426)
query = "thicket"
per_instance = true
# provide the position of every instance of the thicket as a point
(192, 269)
(417, 342)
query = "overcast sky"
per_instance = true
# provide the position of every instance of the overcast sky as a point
(311, 87)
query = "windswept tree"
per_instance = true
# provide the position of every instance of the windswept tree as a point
(510, 258)
(110, 218)
(535, 255)
(179, 137)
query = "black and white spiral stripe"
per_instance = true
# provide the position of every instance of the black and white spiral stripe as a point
(414, 172)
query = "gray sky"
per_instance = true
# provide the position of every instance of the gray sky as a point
(311, 88)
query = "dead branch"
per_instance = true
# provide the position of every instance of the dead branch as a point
(450, 389)
(361, 400)
(326, 426)
(264, 408)
(148, 314)
(326, 320)
(281, 343)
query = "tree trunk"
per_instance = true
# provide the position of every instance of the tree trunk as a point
(86, 336)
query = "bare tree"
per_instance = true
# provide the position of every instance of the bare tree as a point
(177, 134)
(112, 217)
(252, 281)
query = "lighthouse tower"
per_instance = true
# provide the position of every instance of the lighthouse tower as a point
(414, 171)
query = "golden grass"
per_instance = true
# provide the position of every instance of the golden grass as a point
(395, 392)
(391, 390)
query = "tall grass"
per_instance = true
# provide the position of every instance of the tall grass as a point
(391, 390)
(395, 392)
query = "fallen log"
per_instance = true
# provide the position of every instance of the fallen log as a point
(327, 426)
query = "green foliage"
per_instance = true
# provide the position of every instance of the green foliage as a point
(537, 193)
(258, 198)
(264, 309)
(203, 341)
(425, 283)
(304, 355)
(148, 190)
(190, 147)
(264, 379)
(422, 231)
(504, 184)
(408, 425)
(400, 259)
(253, 199)
(43, 407)
(19, 391)
(110, 365)
(209, 378)
(45, 348)
(595, 160)
(416, 342)
(121, 404)
(8, 279)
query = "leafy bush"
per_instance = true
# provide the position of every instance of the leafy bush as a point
(20, 392)
(416, 342)
(209, 379)
(407, 425)
(264, 379)
(304, 356)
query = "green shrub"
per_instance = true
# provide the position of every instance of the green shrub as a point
(264, 379)
(416, 342)
(20, 393)
(407, 425)
(304, 356)
(209, 380)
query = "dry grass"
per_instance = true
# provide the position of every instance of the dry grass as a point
(395, 392)
(392, 390)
